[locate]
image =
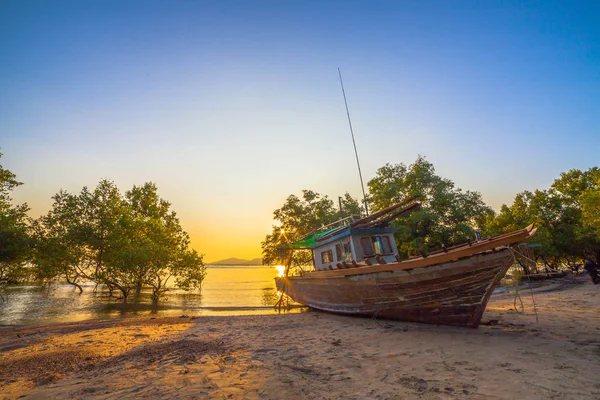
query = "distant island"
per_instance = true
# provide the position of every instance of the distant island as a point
(236, 261)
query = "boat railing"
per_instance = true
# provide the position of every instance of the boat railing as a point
(340, 223)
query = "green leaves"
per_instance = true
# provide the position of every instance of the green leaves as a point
(160, 245)
(125, 242)
(567, 215)
(14, 231)
(298, 217)
(590, 208)
(448, 214)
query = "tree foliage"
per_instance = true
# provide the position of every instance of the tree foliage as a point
(297, 218)
(14, 226)
(124, 242)
(590, 208)
(157, 247)
(566, 214)
(448, 214)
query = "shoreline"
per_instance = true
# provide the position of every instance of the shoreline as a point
(317, 355)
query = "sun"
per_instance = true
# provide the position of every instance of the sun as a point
(280, 270)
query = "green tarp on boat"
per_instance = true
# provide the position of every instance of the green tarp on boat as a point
(310, 241)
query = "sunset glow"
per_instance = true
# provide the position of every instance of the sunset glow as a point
(280, 270)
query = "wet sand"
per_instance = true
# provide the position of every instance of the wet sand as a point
(315, 355)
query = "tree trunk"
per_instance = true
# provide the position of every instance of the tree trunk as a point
(157, 291)
(74, 283)
(125, 293)
(156, 294)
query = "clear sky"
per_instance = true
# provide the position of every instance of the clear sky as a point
(230, 106)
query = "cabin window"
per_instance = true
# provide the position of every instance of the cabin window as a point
(381, 244)
(385, 241)
(367, 246)
(326, 256)
(342, 251)
(376, 245)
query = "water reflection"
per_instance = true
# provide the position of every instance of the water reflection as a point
(269, 296)
(230, 290)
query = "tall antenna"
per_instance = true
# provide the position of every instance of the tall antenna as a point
(362, 185)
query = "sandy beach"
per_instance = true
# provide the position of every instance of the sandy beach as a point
(314, 355)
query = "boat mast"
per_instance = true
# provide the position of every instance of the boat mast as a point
(362, 185)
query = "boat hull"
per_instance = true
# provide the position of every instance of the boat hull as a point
(451, 293)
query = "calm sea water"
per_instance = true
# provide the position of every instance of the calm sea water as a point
(225, 290)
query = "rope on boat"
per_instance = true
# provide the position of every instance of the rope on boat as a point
(522, 255)
(514, 252)
(517, 295)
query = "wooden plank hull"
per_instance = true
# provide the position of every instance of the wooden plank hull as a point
(449, 293)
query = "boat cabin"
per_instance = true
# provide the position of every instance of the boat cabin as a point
(355, 245)
(345, 243)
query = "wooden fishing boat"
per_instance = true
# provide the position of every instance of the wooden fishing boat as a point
(357, 271)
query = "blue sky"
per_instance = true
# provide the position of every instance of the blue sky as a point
(231, 106)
